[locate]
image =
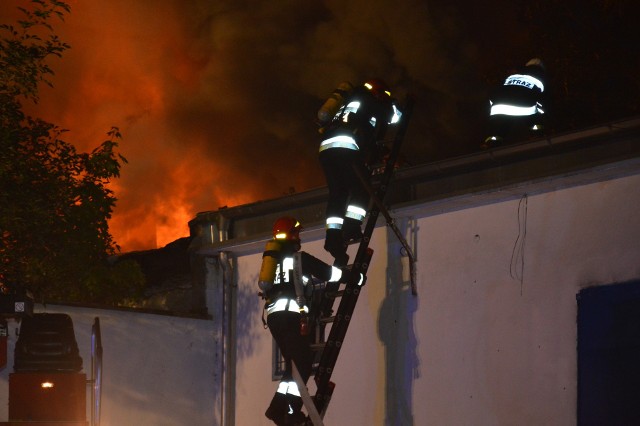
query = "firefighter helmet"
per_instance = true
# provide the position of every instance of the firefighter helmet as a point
(535, 62)
(378, 88)
(286, 228)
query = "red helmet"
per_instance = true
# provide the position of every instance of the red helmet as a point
(378, 88)
(286, 228)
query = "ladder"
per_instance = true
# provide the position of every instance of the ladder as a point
(329, 349)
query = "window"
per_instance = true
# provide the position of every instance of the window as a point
(609, 354)
(278, 362)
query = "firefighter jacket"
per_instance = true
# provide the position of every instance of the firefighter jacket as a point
(281, 261)
(361, 123)
(521, 94)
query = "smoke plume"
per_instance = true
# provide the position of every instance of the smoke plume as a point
(216, 100)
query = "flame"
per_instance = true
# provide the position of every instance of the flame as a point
(124, 69)
(206, 122)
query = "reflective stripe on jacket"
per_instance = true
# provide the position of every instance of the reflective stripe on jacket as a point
(340, 141)
(285, 304)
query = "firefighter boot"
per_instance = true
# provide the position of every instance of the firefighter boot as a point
(277, 410)
(295, 416)
(351, 230)
(334, 244)
(297, 419)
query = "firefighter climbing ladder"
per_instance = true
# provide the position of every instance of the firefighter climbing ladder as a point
(330, 349)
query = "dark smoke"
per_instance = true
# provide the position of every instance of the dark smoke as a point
(216, 99)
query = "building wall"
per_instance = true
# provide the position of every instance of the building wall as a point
(157, 370)
(491, 337)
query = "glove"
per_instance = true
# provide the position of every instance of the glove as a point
(347, 274)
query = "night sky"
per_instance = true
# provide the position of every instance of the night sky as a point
(216, 100)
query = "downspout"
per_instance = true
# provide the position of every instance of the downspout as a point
(228, 333)
(228, 325)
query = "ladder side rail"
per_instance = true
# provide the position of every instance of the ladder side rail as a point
(361, 264)
(342, 320)
(315, 417)
(391, 223)
(378, 196)
(345, 309)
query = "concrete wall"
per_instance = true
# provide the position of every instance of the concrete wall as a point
(489, 340)
(158, 370)
(491, 337)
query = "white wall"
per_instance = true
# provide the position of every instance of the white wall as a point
(479, 345)
(157, 369)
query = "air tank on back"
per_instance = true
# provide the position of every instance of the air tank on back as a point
(331, 106)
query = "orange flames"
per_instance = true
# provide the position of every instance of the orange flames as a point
(131, 65)
(216, 101)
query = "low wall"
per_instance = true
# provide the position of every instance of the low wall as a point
(157, 370)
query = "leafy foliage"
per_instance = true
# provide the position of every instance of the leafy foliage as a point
(54, 200)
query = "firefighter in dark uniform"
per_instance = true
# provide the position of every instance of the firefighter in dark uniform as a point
(283, 281)
(517, 107)
(353, 123)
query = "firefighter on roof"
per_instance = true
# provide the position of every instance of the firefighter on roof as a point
(353, 123)
(284, 282)
(517, 107)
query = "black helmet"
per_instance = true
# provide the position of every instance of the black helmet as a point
(378, 88)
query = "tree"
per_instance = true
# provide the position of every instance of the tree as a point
(54, 201)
